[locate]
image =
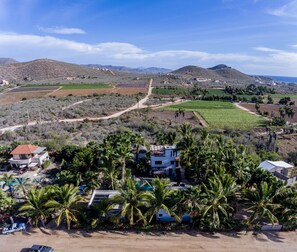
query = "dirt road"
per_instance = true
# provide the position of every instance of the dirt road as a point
(156, 241)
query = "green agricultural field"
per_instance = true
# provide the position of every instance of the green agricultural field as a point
(293, 96)
(74, 86)
(221, 115)
(215, 91)
(172, 90)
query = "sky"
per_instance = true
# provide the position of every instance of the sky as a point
(253, 36)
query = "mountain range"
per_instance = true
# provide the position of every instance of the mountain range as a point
(44, 70)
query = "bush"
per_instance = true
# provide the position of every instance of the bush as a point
(46, 164)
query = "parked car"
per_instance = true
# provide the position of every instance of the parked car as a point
(41, 248)
(14, 228)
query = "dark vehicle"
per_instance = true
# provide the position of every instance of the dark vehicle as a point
(41, 248)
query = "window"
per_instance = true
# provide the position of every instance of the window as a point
(23, 156)
(158, 162)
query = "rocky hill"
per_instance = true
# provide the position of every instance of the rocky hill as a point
(219, 72)
(7, 61)
(45, 69)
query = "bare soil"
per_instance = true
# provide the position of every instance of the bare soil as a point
(78, 241)
(10, 98)
(287, 144)
(168, 117)
(269, 108)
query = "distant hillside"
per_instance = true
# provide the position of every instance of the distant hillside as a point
(140, 70)
(45, 69)
(7, 61)
(219, 72)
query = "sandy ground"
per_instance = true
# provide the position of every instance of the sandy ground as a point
(155, 241)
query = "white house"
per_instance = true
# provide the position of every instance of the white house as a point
(276, 166)
(279, 169)
(28, 156)
(164, 159)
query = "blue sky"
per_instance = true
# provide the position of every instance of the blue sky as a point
(254, 36)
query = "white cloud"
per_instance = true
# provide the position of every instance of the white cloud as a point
(287, 10)
(26, 47)
(61, 30)
(267, 49)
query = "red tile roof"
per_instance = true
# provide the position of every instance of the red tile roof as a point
(24, 149)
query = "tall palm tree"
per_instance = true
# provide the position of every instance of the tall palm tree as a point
(159, 198)
(64, 204)
(22, 184)
(259, 202)
(131, 202)
(138, 141)
(34, 207)
(9, 181)
(124, 153)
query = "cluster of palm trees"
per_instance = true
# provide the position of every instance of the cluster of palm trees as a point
(52, 202)
(227, 189)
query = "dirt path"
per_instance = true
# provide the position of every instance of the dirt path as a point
(201, 120)
(249, 111)
(76, 103)
(114, 241)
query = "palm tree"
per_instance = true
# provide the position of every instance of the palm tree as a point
(131, 202)
(64, 204)
(216, 210)
(91, 180)
(159, 198)
(191, 202)
(259, 202)
(138, 141)
(124, 153)
(9, 181)
(34, 208)
(22, 184)
(100, 212)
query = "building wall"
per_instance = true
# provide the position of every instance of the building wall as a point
(168, 160)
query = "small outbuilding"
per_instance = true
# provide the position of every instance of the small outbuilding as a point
(276, 167)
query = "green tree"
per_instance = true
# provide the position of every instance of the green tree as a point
(22, 184)
(34, 207)
(216, 210)
(64, 205)
(159, 198)
(9, 181)
(6, 203)
(259, 202)
(132, 203)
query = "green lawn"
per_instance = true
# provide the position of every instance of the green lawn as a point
(221, 115)
(73, 86)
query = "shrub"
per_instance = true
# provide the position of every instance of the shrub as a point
(46, 164)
